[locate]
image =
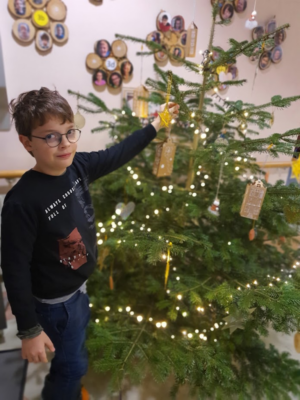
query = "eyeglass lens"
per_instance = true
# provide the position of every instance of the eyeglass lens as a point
(55, 138)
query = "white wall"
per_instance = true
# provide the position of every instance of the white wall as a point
(65, 68)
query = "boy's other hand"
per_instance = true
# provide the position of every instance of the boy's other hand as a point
(34, 350)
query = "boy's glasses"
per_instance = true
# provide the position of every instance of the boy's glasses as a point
(54, 139)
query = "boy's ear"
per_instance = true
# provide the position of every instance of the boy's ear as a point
(26, 142)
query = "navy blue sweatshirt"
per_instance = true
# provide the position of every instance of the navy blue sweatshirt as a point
(48, 227)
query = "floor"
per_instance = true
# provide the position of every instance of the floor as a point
(97, 387)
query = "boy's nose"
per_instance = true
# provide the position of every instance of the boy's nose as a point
(64, 142)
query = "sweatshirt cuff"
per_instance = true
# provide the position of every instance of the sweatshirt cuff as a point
(30, 333)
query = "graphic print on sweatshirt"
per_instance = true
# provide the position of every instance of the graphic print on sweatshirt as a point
(80, 187)
(83, 197)
(54, 209)
(72, 250)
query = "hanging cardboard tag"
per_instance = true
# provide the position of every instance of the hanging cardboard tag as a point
(191, 40)
(253, 200)
(140, 107)
(164, 158)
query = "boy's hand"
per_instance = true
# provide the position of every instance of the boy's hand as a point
(34, 349)
(173, 108)
(174, 111)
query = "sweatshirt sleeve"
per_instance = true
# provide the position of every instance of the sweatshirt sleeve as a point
(100, 163)
(18, 235)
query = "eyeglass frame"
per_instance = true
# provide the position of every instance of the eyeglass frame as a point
(61, 135)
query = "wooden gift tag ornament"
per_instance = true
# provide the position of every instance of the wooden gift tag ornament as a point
(164, 158)
(297, 342)
(140, 107)
(253, 200)
(191, 40)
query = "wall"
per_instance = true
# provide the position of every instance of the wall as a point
(64, 68)
(4, 114)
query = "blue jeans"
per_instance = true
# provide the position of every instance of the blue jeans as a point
(65, 324)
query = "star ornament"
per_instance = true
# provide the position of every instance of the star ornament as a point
(165, 117)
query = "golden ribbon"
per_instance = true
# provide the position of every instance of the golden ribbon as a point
(165, 116)
(296, 168)
(168, 265)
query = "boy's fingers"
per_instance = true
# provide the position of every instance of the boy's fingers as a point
(50, 346)
(43, 358)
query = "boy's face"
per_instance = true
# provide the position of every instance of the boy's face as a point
(51, 160)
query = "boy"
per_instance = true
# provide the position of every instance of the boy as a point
(48, 235)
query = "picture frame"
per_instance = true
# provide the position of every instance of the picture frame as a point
(43, 41)
(163, 22)
(19, 8)
(177, 23)
(240, 6)
(280, 37)
(264, 60)
(227, 11)
(103, 48)
(59, 32)
(23, 30)
(276, 54)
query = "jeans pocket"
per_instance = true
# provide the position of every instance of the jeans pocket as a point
(60, 319)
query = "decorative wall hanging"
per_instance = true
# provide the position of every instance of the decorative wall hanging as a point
(228, 7)
(264, 53)
(174, 38)
(39, 19)
(109, 64)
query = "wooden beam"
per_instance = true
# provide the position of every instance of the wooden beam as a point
(11, 174)
(283, 164)
(18, 173)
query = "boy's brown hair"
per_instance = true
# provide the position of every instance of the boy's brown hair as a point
(33, 109)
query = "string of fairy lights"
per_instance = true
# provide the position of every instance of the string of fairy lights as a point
(115, 224)
(188, 333)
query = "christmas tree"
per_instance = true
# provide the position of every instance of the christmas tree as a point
(185, 286)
